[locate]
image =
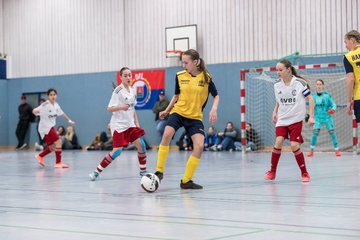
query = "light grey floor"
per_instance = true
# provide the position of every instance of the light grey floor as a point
(236, 203)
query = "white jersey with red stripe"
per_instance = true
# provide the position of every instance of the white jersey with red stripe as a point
(48, 113)
(122, 120)
(291, 100)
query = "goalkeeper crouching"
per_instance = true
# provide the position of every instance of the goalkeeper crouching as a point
(324, 108)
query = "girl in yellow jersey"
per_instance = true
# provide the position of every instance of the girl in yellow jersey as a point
(192, 88)
(352, 68)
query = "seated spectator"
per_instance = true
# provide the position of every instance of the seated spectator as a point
(71, 140)
(210, 138)
(61, 133)
(225, 140)
(96, 143)
(185, 143)
(252, 141)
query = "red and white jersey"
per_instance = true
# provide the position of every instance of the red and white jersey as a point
(122, 120)
(48, 113)
(291, 100)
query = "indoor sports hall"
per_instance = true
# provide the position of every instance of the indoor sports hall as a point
(79, 47)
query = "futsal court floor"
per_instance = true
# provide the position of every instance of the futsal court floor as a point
(236, 202)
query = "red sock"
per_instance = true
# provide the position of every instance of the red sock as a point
(58, 152)
(275, 156)
(46, 151)
(142, 161)
(300, 160)
(104, 163)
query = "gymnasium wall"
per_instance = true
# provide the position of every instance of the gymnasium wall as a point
(83, 36)
(60, 37)
(84, 97)
(4, 132)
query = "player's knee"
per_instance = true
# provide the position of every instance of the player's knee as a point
(116, 153)
(294, 146)
(143, 145)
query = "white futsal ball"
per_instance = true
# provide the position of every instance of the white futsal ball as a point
(150, 182)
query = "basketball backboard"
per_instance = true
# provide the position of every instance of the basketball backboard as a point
(179, 39)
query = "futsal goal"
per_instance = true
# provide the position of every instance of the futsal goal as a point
(258, 100)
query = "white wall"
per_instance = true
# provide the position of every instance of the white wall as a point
(1, 28)
(76, 36)
(240, 30)
(63, 36)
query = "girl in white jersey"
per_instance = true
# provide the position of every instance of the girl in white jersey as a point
(124, 124)
(48, 111)
(291, 92)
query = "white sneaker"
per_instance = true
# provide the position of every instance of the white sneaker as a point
(23, 146)
(93, 176)
(38, 147)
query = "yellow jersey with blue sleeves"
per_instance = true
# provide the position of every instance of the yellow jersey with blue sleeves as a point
(352, 64)
(193, 92)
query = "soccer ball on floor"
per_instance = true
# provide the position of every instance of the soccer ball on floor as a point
(150, 182)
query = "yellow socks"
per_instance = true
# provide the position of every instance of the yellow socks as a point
(162, 156)
(191, 166)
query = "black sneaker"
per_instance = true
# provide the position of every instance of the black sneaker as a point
(190, 185)
(160, 175)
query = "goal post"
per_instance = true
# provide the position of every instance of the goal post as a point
(257, 101)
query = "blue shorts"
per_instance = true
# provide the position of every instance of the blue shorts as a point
(192, 126)
(357, 110)
(329, 124)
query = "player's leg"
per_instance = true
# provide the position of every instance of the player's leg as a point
(174, 122)
(50, 138)
(331, 130)
(313, 141)
(58, 153)
(140, 145)
(108, 158)
(276, 153)
(295, 141)
(193, 162)
(119, 141)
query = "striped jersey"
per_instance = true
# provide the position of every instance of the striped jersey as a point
(193, 94)
(48, 113)
(291, 100)
(122, 120)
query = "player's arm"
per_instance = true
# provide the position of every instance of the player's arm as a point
(350, 80)
(274, 114)
(332, 105)
(71, 122)
(214, 107)
(119, 107)
(36, 111)
(310, 99)
(136, 120)
(164, 113)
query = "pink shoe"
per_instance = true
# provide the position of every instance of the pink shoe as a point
(337, 153)
(41, 160)
(310, 154)
(270, 175)
(305, 177)
(61, 165)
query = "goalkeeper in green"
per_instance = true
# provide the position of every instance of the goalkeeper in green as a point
(324, 107)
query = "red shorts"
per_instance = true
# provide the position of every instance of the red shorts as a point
(124, 138)
(293, 130)
(51, 137)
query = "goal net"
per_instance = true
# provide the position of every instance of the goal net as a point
(259, 101)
